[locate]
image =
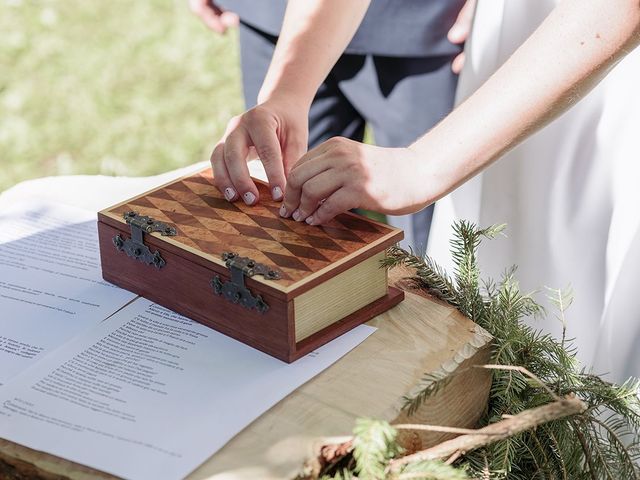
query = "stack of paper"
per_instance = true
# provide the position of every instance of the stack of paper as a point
(142, 393)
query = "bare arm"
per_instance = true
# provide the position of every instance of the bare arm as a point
(564, 58)
(314, 35)
(574, 48)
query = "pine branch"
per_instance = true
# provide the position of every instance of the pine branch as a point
(373, 445)
(431, 470)
(504, 429)
(575, 444)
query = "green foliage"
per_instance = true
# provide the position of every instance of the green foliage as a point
(601, 443)
(432, 470)
(116, 88)
(373, 445)
(344, 474)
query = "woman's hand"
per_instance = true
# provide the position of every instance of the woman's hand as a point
(342, 174)
(276, 132)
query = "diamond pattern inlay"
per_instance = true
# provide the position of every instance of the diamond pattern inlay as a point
(207, 223)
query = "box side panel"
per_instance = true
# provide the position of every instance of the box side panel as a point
(340, 296)
(185, 287)
(391, 299)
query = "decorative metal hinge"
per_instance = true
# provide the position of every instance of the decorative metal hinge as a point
(135, 246)
(234, 289)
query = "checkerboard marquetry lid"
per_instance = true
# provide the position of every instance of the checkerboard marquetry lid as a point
(208, 225)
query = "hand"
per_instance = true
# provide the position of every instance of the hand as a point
(342, 174)
(213, 16)
(459, 32)
(274, 131)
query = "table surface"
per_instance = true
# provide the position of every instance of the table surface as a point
(418, 336)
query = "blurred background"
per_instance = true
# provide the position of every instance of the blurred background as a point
(116, 88)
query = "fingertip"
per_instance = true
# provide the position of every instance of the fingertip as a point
(456, 34)
(457, 64)
(230, 194)
(230, 19)
(283, 211)
(249, 198)
(276, 193)
(215, 25)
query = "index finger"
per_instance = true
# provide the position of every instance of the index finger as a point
(236, 150)
(265, 140)
(301, 173)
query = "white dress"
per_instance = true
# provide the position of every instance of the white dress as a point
(570, 195)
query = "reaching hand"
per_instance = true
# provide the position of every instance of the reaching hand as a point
(342, 174)
(459, 32)
(213, 16)
(274, 131)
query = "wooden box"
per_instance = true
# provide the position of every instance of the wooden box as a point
(280, 286)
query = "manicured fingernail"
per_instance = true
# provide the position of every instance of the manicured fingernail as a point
(309, 220)
(276, 194)
(229, 193)
(249, 198)
(283, 211)
(296, 216)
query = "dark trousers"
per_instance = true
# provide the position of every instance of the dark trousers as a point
(400, 98)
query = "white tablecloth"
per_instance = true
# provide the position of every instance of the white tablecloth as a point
(96, 192)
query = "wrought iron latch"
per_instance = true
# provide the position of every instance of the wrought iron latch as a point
(135, 247)
(234, 289)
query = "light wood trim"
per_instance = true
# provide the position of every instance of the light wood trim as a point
(339, 297)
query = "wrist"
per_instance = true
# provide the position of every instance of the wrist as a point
(282, 94)
(432, 175)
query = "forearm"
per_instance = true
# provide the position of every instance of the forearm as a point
(559, 64)
(313, 36)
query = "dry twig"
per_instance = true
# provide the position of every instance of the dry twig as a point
(526, 420)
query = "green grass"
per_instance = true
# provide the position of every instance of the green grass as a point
(119, 87)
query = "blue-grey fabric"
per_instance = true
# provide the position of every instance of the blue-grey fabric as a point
(400, 98)
(390, 27)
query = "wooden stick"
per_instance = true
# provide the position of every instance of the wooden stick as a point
(437, 428)
(563, 407)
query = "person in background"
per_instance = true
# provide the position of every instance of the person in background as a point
(397, 74)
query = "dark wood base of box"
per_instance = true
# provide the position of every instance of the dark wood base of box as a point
(302, 348)
(184, 287)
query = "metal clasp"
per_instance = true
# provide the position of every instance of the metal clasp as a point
(135, 247)
(235, 289)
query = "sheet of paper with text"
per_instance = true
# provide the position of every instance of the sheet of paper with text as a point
(149, 394)
(51, 286)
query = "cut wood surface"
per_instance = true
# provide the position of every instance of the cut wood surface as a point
(416, 337)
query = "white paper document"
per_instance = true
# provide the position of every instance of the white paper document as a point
(149, 394)
(51, 286)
